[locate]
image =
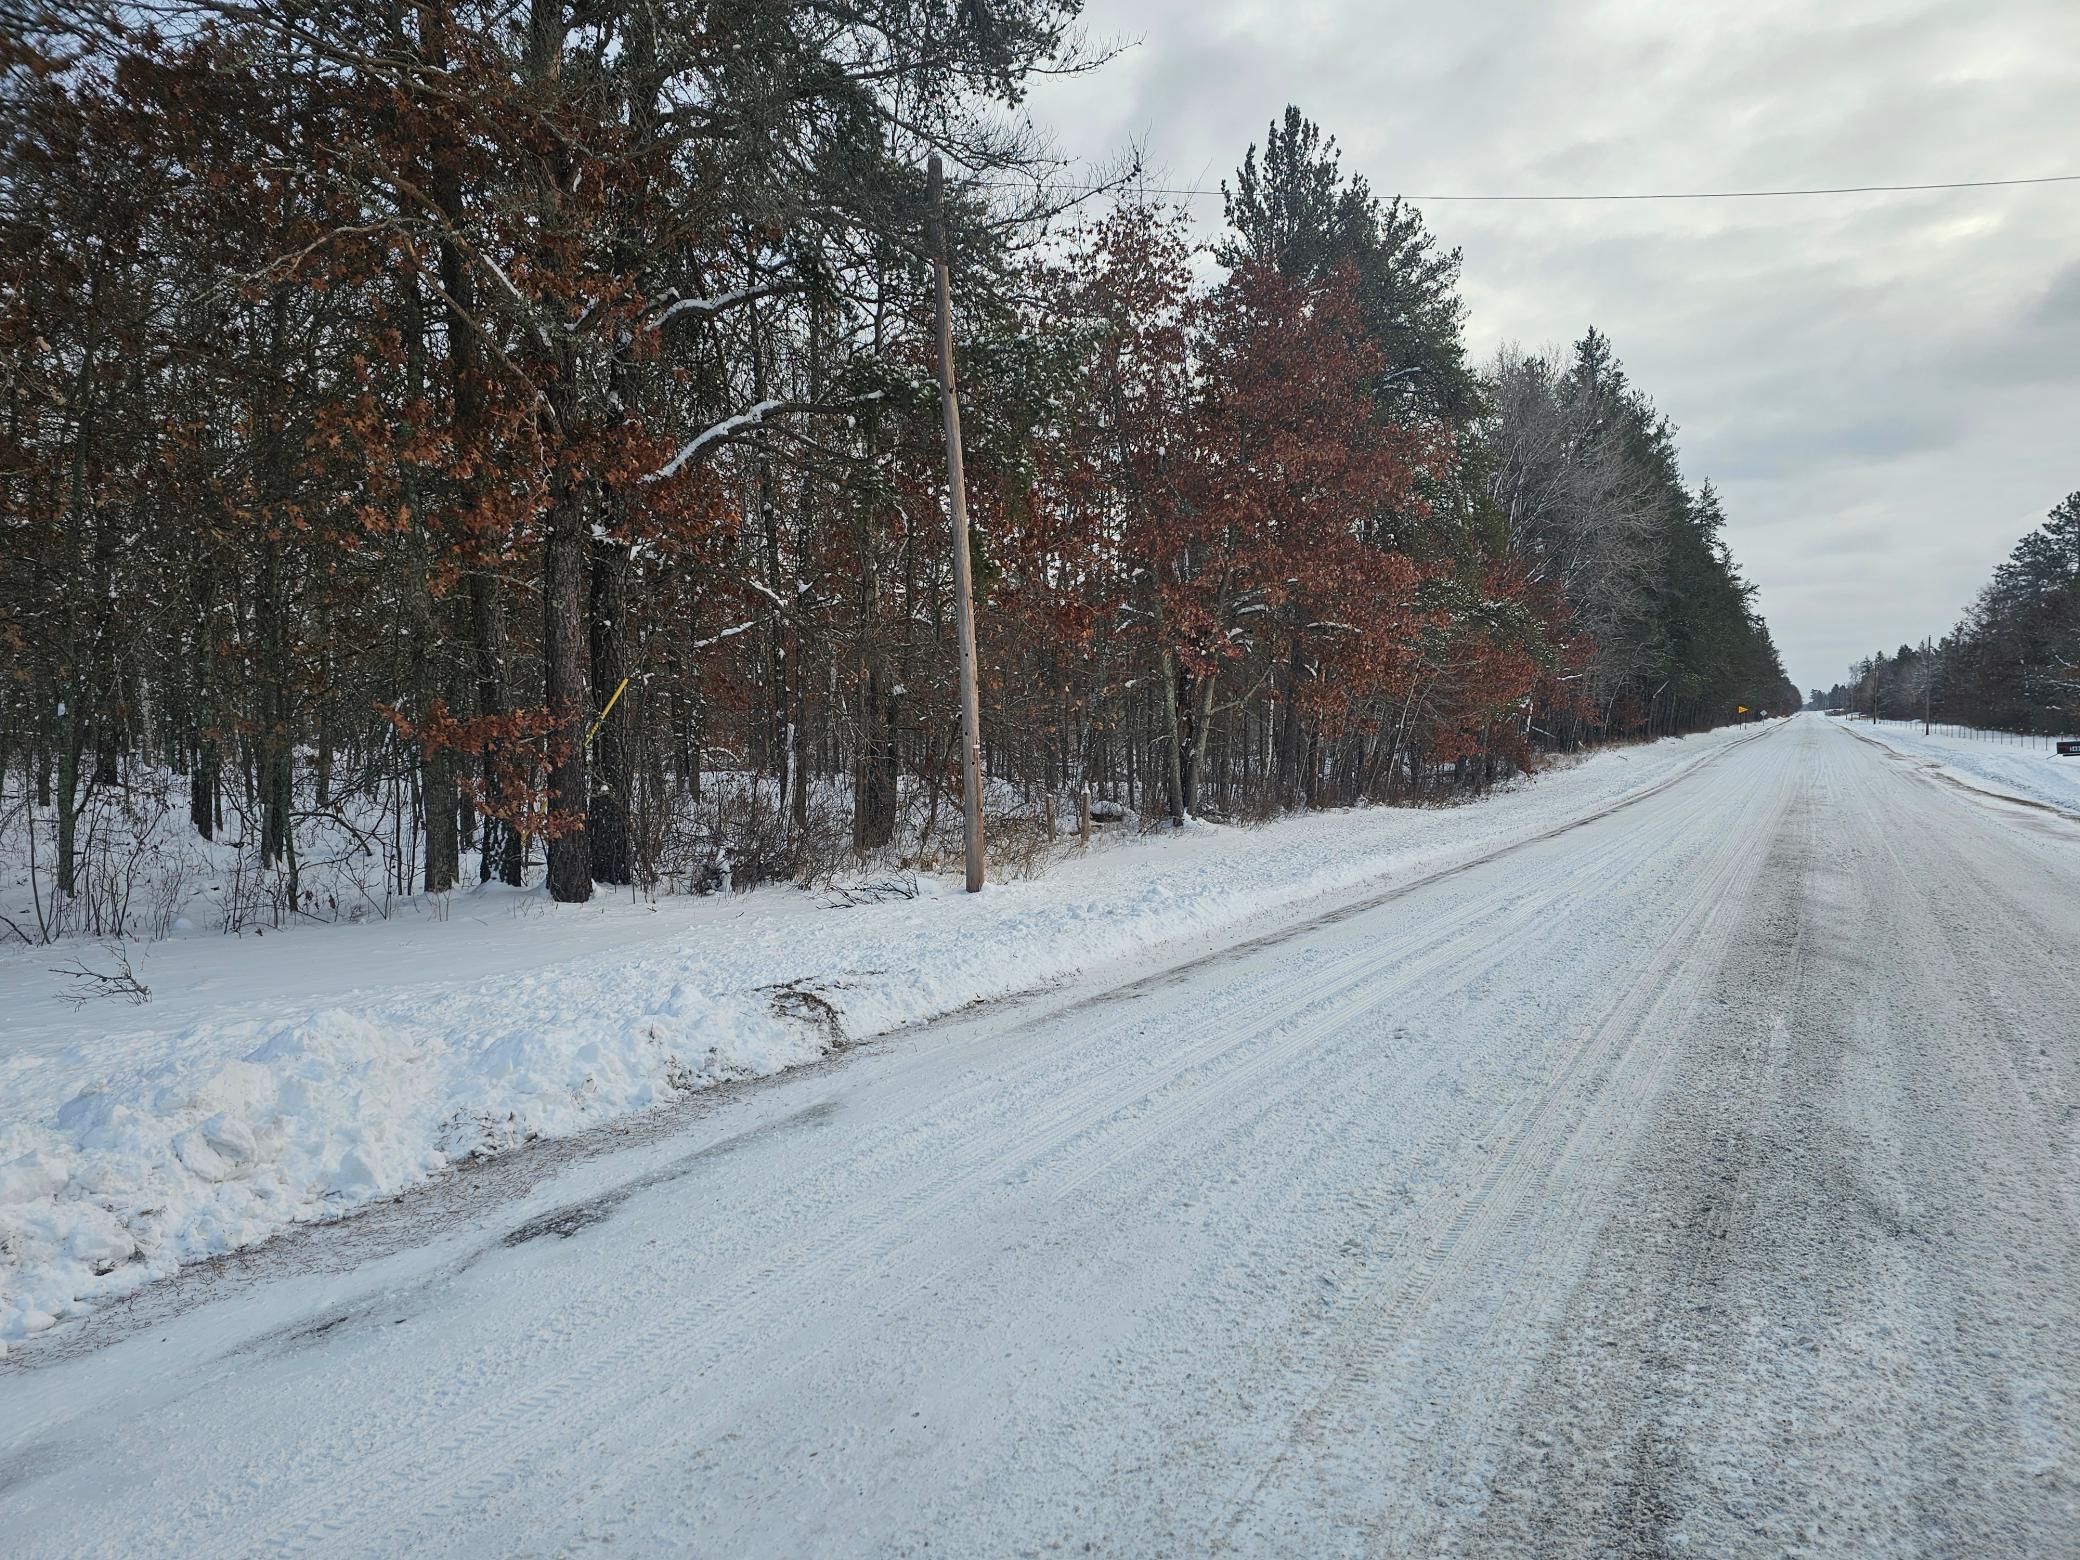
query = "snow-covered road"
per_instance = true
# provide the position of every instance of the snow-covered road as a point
(1704, 1177)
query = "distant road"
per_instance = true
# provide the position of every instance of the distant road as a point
(1703, 1179)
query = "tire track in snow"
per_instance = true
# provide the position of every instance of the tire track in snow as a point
(1494, 1210)
(1839, 1319)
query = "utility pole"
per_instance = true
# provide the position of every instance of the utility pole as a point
(963, 584)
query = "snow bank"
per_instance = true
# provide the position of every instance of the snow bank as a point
(1990, 760)
(362, 1065)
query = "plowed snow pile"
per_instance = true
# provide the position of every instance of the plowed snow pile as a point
(1989, 761)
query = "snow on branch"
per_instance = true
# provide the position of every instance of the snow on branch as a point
(723, 429)
(749, 419)
(727, 633)
(715, 305)
(519, 298)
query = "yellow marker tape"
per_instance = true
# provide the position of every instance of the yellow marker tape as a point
(603, 714)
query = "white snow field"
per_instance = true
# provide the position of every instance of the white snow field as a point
(279, 1079)
(2028, 769)
(1701, 1178)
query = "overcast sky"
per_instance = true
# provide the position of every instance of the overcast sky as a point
(1885, 388)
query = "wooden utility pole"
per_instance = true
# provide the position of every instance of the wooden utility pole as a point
(963, 584)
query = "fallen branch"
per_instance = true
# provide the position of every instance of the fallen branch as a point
(121, 981)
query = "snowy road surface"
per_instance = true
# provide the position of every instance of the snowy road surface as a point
(1702, 1179)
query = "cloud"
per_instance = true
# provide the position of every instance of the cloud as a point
(2059, 308)
(1884, 387)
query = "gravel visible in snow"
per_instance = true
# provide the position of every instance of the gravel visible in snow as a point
(297, 1077)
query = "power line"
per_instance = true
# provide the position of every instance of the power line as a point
(1834, 189)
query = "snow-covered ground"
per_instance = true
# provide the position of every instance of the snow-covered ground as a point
(2029, 768)
(1701, 1179)
(280, 1078)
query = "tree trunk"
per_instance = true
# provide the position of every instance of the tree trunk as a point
(500, 856)
(436, 763)
(1287, 783)
(202, 788)
(606, 812)
(874, 817)
(1198, 692)
(323, 710)
(1173, 742)
(565, 687)
(71, 742)
(798, 729)
(443, 847)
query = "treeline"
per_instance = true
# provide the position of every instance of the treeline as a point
(2012, 663)
(526, 415)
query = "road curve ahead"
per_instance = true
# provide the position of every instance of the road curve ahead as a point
(1704, 1179)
